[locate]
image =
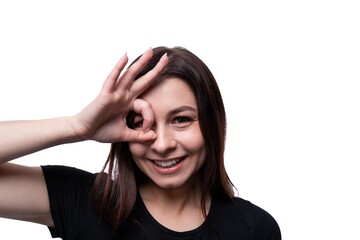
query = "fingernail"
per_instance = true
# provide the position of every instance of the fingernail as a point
(151, 135)
(164, 56)
(124, 55)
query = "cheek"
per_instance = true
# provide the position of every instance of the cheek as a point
(137, 150)
(194, 140)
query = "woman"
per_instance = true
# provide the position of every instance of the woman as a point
(164, 177)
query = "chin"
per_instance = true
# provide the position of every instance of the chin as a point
(172, 183)
(168, 185)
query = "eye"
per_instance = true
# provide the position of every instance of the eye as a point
(181, 120)
(138, 122)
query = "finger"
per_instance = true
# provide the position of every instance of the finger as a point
(112, 78)
(128, 77)
(139, 136)
(146, 136)
(140, 85)
(144, 108)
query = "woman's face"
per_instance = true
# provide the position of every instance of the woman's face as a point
(178, 151)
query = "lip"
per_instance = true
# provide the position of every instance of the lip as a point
(167, 166)
(165, 159)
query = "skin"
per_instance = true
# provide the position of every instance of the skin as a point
(172, 194)
(103, 120)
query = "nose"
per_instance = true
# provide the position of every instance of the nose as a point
(164, 142)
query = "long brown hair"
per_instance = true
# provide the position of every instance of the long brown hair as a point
(118, 188)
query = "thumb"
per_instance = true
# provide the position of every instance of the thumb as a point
(140, 136)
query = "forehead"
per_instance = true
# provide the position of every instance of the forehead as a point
(171, 91)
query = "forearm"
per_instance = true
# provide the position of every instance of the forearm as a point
(103, 120)
(19, 138)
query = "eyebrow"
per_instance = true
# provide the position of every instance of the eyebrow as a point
(176, 111)
(182, 109)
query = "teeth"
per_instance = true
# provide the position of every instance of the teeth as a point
(167, 164)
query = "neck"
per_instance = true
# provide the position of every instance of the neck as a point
(188, 194)
(178, 209)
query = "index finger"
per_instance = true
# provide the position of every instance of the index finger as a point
(143, 108)
(129, 75)
(112, 78)
(145, 81)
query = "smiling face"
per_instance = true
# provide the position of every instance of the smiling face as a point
(178, 151)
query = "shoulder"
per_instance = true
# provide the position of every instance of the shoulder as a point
(239, 205)
(67, 179)
(250, 218)
(69, 197)
(66, 173)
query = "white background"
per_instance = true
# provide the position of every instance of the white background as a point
(289, 73)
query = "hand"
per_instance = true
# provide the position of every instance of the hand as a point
(104, 119)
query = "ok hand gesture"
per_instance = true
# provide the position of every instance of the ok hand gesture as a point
(104, 119)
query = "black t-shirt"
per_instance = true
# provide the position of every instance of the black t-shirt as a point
(75, 217)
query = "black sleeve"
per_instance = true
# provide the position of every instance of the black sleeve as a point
(241, 219)
(265, 226)
(68, 190)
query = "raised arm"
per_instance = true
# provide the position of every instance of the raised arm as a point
(102, 120)
(23, 193)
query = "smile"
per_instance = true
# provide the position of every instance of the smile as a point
(169, 163)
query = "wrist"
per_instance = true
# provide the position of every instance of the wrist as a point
(72, 130)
